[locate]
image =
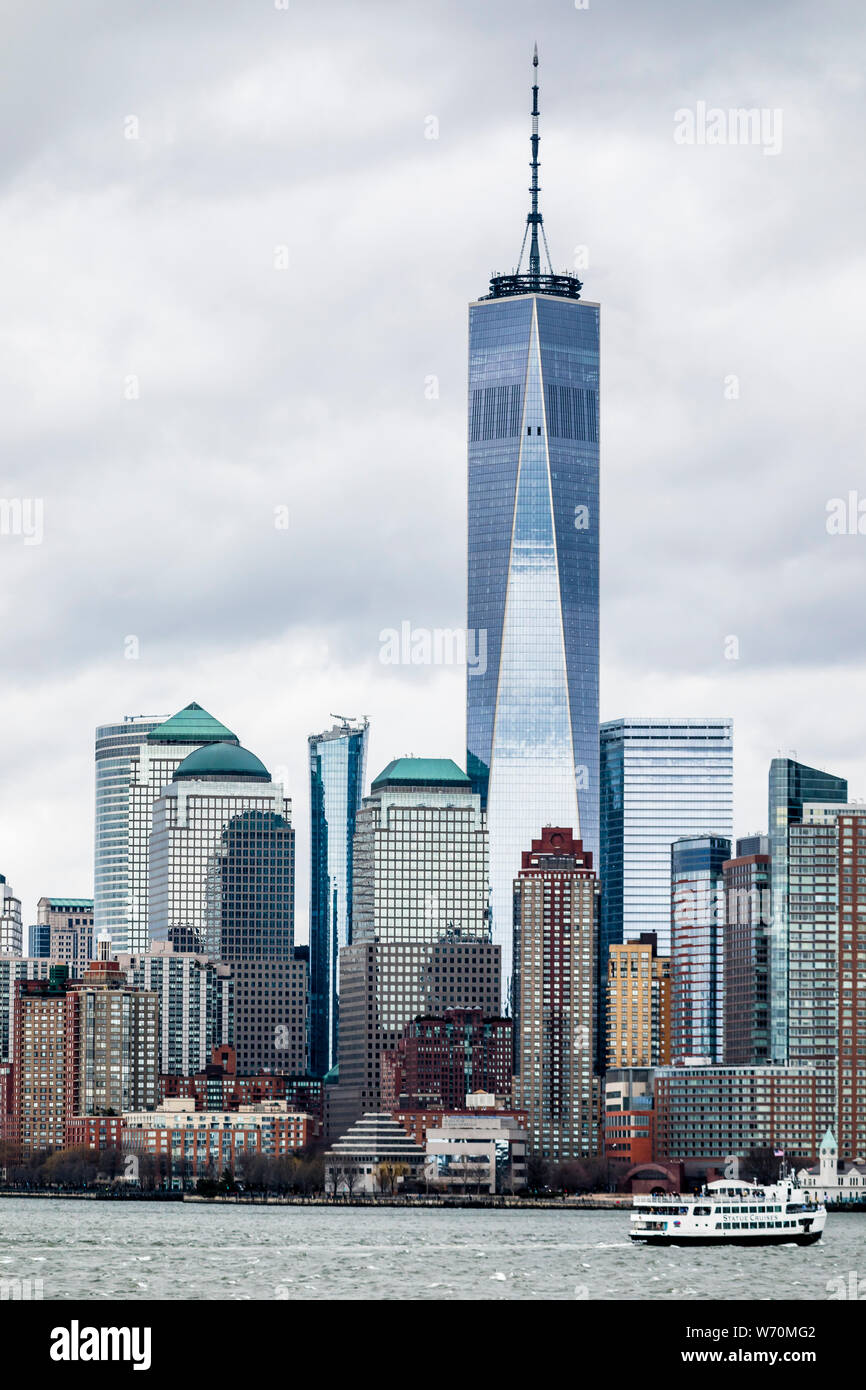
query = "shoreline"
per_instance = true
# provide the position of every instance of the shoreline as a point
(601, 1202)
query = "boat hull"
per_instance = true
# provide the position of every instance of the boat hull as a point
(781, 1238)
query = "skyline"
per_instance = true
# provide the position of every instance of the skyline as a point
(234, 421)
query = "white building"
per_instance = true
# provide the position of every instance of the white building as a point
(134, 761)
(832, 1181)
(475, 1153)
(152, 767)
(213, 787)
(374, 1156)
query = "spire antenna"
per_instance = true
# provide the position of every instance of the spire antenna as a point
(532, 280)
(533, 219)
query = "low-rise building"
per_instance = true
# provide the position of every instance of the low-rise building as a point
(426, 1113)
(629, 1119)
(832, 1179)
(202, 1143)
(375, 1155)
(219, 1086)
(477, 1153)
(708, 1115)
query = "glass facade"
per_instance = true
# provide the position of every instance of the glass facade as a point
(213, 854)
(792, 784)
(116, 747)
(135, 760)
(697, 948)
(532, 711)
(660, 779)
(338, 761)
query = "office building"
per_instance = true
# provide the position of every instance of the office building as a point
(442, 1059)
(152, 766)
(420, 884)
(338, 763)
(39, 940)
(555, 922)
(697, 948)
(477, 1153)
(463, 972)
(68, 924)
(11, 928)
(629, 1117)
(196, 1004)
(219, 807)
(791, 786)
(420, 878)
(746, 954)
(638, 1004)
(222, 877)
(661, 778)
(134, 761)
(533, 488)
(711, 1115)
(117, 745)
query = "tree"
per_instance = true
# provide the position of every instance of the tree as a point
(389, 1176)
(537, 1173)
(336, 1174)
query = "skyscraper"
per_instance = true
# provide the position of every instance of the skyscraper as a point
(420, 898)
(697, 948)
(532, 706)
(134, 761)
(116, 746)
(746, 952)
(638, 1005)
(555, 908)
(222, 882)
(151, 769)
(660, 778)
(792, 784)
(338, 761)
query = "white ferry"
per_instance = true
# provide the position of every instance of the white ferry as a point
(726, 1212)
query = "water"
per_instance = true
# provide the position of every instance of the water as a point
(139, 1250)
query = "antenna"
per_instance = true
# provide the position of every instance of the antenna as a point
(533, 280)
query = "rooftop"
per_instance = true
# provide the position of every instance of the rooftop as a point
(222, 762)
(191, 725)
(426, 772)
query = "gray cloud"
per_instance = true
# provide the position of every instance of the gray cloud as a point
(154, 258)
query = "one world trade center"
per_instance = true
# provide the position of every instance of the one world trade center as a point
(532, 711)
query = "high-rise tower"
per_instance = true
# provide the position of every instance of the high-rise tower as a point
(337, 770)
(532, 712)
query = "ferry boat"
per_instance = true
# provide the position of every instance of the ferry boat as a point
(727, 1212)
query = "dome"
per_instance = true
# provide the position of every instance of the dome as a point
(223, 761)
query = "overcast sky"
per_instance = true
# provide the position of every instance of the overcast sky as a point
(166, 385)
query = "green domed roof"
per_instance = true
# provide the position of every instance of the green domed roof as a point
(223, 761)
